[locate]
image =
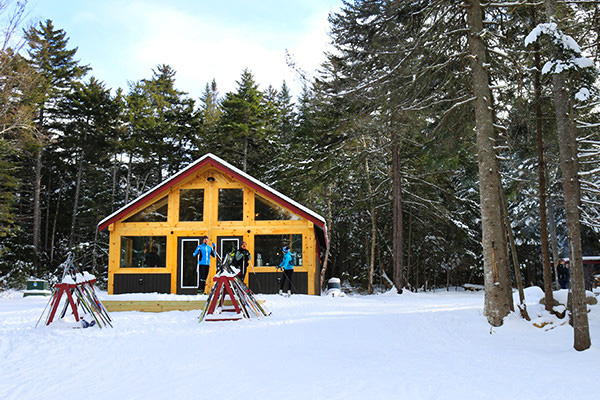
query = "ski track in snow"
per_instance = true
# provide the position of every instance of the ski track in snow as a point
(413, 346)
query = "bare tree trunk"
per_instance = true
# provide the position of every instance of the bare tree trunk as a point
(417, 269)
(95, 253)
(47, 218)
(373, 226)
(129, 176)
(553, 239)
(113, 192)
(549, 299)
(329, 225)
(76, 200)
(245, 158)
(36, 210)
(55, 222)
(565, 124)
(498, 296)
(515, 259)
(425, 277)
(409, 252)
(397, 213)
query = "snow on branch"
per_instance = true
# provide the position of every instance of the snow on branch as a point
(566, 44)
(559, 38)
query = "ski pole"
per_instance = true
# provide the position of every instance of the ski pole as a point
(254, 273)
(44, 312)
(289, 280)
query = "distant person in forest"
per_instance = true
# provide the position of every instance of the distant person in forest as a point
(151, 258)
(287, 266)
(240, 260)
(206, 252)
(563, 275)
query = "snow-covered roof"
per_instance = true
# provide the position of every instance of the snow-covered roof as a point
(223, 166)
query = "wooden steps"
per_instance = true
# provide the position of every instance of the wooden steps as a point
(156, 305)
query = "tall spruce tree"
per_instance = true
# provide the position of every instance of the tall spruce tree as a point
(58, 70)
(88, 124)
(391, 69)
(243, 130)
(564, 52)
(498, 289)
(162, 123)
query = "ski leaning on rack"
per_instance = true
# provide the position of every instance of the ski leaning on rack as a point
(80, 295)
(230, 299)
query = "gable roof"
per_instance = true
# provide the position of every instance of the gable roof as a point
(223, 166)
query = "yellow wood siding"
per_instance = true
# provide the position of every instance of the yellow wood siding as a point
(173, 229)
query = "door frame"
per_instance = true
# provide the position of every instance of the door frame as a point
(180, 288)
(221, 239)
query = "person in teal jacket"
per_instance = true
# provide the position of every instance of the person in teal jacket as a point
(288, 270)
(206, 252)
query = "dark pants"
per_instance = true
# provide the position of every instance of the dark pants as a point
(203, 273)
(243, 268)
(287, 277)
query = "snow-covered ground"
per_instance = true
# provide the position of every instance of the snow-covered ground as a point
(409, 346)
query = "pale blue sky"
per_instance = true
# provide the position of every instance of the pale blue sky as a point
(124, 40)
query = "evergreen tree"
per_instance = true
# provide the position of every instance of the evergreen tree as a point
(244, 133)
(57, 69)
(88, 124)
(162, 124)
(17, 83)
(210, 105)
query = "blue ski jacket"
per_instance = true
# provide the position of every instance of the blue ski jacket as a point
(205, 253)
(287, 261)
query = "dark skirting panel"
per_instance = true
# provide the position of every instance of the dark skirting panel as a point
(142, 283)
(269, 282)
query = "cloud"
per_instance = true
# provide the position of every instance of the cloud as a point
(203, 47)
(200, 40)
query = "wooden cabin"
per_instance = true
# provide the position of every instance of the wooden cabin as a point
(213, 198)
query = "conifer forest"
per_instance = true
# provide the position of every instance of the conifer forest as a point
(445, 143)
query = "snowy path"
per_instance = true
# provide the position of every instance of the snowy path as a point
(424, 346)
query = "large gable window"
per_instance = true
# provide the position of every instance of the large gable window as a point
(191, 204)
(231, 204)
(155, 212)
(266, 210)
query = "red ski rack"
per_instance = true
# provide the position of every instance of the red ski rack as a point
(223, 312)
(67, 288)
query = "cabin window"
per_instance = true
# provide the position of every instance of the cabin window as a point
(191, 204)
(268, 249)
(266, 210)
(231, 204)
(143, 251)
(155, 212)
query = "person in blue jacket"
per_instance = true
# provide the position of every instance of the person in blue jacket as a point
(206, 252)
(288, 270)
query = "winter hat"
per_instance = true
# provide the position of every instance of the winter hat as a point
(285, 248)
